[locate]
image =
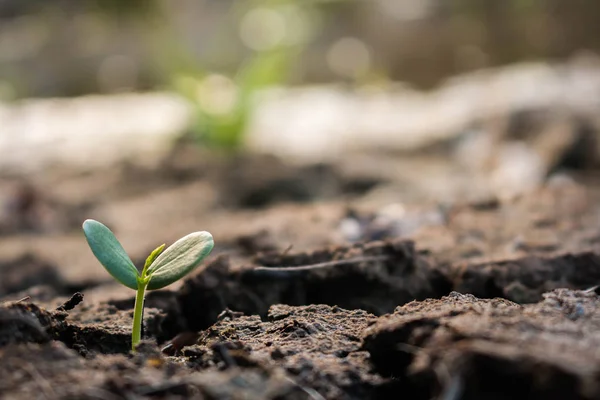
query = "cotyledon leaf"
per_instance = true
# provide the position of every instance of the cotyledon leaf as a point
(110, 253)
(179, 259)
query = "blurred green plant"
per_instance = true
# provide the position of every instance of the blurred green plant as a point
(224, 102)
(223, 105)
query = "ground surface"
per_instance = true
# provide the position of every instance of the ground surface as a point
(488, 299)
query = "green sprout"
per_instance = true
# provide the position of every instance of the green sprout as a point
(160, 269)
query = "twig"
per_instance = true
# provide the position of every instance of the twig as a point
(17, 301)
(23, 299)
(326, 264)
(287, 249)
(71, 303)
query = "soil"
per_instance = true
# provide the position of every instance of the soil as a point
(316, 289)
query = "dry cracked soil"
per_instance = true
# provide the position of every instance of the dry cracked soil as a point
(308, 295)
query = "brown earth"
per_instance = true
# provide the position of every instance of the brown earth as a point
(311, 292)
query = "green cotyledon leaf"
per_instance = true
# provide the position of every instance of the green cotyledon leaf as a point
(181, 258)
(110, 253)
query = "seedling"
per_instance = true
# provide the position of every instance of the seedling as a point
(160, 269)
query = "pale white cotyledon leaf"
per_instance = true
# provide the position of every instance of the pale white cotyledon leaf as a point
(110, 253)
(181, 258)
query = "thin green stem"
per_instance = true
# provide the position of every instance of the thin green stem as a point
(138, 313)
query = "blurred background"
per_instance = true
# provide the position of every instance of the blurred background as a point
(159, 116)
(64, 49)
(306, 79)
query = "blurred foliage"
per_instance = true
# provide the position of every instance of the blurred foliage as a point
(223, 103)
(224, 127)
(62, 48)
(66, 48)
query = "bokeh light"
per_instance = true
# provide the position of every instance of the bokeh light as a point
(217, 94)
(349, 57)
(263, 28)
